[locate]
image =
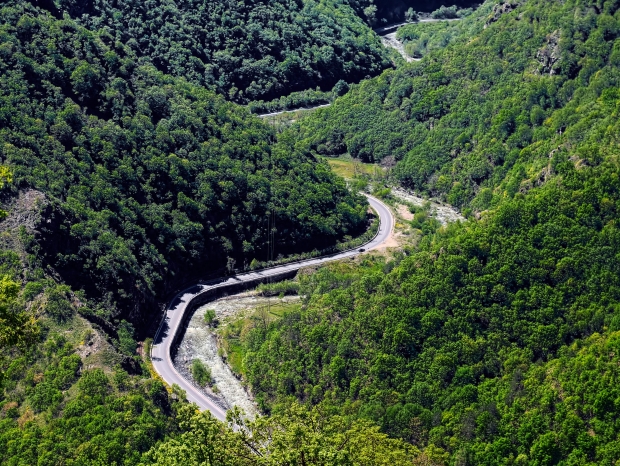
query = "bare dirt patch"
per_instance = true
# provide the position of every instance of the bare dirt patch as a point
(442, 212)
(404, 212)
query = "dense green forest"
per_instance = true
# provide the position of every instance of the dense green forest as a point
(118, 182)
(243, 50)
(148, 177)
(472, 121)
(124, 171)
(439, 350)
(495, 341)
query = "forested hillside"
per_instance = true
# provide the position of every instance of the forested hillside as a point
(451, 344)
(148, 177)
(494, 342)
(118, 182)
(244, 50)
(470, 123)
(125, 168)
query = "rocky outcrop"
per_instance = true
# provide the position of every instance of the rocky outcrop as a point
(549, 55)
(499, 10)
(25, 210)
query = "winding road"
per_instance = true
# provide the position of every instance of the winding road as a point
(264, 115)
(187, 300)
(388, 35)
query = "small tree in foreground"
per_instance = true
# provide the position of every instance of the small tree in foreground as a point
(200, 372)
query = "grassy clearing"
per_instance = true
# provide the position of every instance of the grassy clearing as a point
(280, 308)
(349, 168)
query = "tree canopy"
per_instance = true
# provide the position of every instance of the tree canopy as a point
(248, 50)
(472, 121)
(150, 178)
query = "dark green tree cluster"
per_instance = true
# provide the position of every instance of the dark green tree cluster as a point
(484, 113)
(149, 178)
(249, 50)
(455, 347)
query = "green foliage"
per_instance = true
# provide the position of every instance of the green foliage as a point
(245, 50)
(6, 176)
(126, 342)
(54, 412)
(458, 345)
(295, 100)
(17, 327)
(450, 12)
(291, 438)
(494, 342)
(284, 287)
(58, 301)
(422, 38)
(423, 221)
(200, 372)
(152, 179)
(210, 317)
(411, 15)
(489, 110)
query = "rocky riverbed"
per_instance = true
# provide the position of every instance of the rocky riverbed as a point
(390, 40)
(442, 212)
(200, 342)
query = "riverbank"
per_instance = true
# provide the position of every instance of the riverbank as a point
(234, 314)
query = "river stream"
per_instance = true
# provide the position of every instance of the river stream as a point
(200, 342)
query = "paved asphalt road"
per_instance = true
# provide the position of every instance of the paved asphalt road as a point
(173, 319)
(380, 31)
(263, 115)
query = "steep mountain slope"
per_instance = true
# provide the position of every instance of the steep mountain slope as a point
(469, 124)
(246, 50)
(118, 182)
(490, 342)
(149, 178)
(495, 341)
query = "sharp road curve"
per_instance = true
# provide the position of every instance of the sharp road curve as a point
(188, 299)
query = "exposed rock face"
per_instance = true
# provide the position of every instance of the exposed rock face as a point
(26, 210)
(499, 10)
(549, 55)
